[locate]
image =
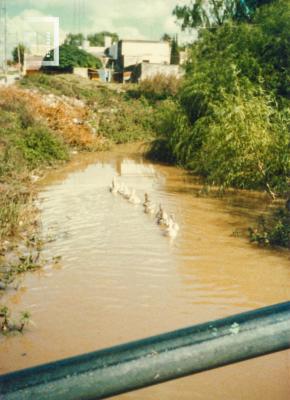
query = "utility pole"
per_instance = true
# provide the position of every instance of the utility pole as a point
(3, 35)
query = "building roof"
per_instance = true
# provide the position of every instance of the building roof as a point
(140, 41)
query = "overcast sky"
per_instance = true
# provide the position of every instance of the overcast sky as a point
(131, 19)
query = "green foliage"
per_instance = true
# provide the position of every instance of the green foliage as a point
(214, 13)
(71, 56)
(8, 326)
(39, 146)
(273, 230)
(18, 52)
(231, 118)
(119, 118)
(171, 124)
(128, 121)
(166, 37)
(98, 39)
(25, 144)
(159, 87)
(244, 143)
(74, 39)
(174, 55)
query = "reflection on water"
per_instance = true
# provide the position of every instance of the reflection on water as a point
(120, 279)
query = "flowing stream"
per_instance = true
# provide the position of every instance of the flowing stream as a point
(121, 279)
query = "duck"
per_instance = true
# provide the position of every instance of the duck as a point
(149, 208)
(147, 201)
(126, 193)
(134, 199)
(114, 186)
(172, 228)
(122, 189)
(161, 216)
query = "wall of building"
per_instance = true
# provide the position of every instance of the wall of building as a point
(135, 52)
(148, 71)
(83, 72)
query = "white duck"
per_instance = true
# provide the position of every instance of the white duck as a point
(114, 186)
(149, 208)
(122, 189)
(172, 228)
(126, 193)
(134, 199)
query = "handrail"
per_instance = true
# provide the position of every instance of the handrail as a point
(153, 360)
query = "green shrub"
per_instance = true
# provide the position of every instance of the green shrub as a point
(231, 119)
(71, 56)
(273, 230)
(40, 146)
(160, 87)
(245, 144)
(128, 121)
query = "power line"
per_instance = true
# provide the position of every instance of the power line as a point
(79, 16)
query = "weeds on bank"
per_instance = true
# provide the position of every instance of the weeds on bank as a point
(111, 113)
(159, 87)
(273, 230)
(7, 325)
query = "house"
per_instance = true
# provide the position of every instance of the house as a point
(132, 52)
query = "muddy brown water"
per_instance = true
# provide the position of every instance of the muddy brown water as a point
(120, 279)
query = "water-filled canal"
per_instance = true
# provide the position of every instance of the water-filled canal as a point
(121, 279)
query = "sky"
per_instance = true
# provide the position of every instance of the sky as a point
(131, 19)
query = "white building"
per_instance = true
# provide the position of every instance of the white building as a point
(132, 52)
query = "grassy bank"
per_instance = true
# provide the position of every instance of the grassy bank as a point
(113, 114)
(43, 120)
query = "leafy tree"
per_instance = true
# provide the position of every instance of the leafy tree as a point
(230, 119)
(166, 38)
(174, 56)
(19, 51)
(73, 39)
(71, 56)
(98, 39)
(212, 13)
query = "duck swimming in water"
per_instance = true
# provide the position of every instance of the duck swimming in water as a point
(147, 201)
(172, 227)
(149, 208)
(161, 216)
(124, 191)
(114, 186)
(134, 199)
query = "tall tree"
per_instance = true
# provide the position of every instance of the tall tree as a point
(18, 53)
(174, 57)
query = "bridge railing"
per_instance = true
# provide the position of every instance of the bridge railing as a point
(153, 360)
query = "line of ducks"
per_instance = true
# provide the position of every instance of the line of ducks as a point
(166, 222)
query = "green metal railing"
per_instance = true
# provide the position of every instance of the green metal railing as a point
(153, 360)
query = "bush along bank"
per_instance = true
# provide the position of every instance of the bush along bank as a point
(230, 120)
